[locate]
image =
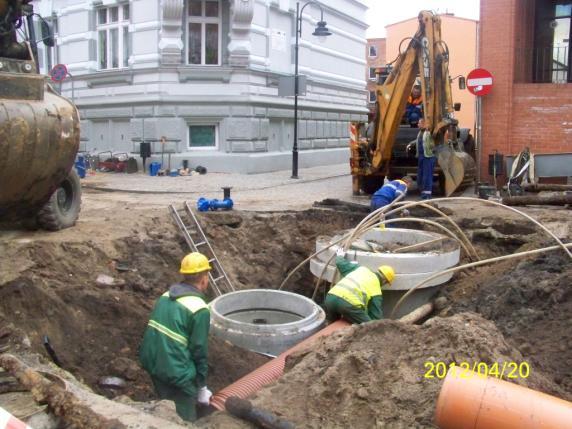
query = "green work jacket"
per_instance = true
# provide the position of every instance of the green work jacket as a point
(175, 344)
(374, 309)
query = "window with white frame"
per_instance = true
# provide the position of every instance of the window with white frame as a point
(204, 32)
(372, 73)
(372, 97)
(372, 51)
(113, 46)
(203, 136)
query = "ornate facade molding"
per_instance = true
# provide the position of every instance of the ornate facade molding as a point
(170, 36)
(239, 47)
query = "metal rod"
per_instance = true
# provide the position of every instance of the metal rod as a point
(296, 48)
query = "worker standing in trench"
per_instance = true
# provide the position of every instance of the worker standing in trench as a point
(174, 348)
(357, 297)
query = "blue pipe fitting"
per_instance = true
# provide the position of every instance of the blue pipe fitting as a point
(204, 204)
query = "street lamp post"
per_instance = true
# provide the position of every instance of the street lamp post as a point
(320, 31)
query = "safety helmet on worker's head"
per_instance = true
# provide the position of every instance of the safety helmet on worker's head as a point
(194, 263)
(387, 272)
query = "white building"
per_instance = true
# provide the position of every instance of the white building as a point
(204, 74)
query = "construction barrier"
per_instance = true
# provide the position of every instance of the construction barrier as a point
(8, 421)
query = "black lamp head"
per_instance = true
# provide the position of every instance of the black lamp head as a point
(321, 30)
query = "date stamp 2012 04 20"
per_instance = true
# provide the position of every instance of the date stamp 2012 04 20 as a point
(507, 370)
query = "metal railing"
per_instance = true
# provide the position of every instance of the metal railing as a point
(547, 64)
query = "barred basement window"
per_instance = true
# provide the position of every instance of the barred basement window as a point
(113, 46)
(203, 137)
(204, 32)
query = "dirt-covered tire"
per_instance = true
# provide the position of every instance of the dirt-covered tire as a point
(62, 209)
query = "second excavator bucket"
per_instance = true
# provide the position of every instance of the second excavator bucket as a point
(458, 168)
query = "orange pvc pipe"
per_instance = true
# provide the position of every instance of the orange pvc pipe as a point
(471, 401)
(269, 372)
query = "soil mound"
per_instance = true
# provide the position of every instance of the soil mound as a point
(373, 375)
(531, 304)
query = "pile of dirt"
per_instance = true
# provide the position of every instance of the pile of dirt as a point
(373, 375)
(92, 296)
(530, 302)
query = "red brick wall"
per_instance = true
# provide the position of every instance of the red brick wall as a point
(496, 47)
(542, 118)
(516, 115)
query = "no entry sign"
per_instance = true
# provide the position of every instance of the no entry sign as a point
(59, 72)
(480, 82)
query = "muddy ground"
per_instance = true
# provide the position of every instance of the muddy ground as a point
(373, 375)
(50, 288)
(518, 310)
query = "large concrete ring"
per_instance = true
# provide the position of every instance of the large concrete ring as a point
(402, 263)
(410, 268)
(268, 338)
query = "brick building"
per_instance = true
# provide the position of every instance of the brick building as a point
(375, 57)
(525, 44)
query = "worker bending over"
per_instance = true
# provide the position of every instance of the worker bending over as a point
(390, 191)
(174, 348)
(357, 297)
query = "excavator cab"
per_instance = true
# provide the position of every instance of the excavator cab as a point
(383, 151)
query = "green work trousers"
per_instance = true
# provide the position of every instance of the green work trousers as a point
(184, 403)
(337, 308)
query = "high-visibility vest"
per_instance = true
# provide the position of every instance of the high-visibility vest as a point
(358, 287)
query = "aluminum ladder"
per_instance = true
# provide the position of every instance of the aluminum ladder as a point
(217, 276)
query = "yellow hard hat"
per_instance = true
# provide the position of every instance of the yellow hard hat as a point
(194, 263)
(387, 272)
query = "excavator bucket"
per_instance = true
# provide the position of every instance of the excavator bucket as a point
(458, 168)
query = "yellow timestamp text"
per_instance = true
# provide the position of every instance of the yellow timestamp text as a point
(510, 370)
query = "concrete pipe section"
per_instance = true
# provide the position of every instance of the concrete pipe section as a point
(411, 267)
(265, 321)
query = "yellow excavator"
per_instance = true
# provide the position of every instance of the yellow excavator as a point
(387, 150)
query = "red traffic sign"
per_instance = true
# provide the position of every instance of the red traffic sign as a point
(480, 82)
(59, 72)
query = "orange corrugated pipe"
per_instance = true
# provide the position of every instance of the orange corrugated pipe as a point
(269, 372)
(469, 400)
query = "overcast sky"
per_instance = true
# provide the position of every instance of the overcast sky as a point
(384, 12)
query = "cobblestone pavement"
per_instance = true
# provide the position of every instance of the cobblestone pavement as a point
(267, 191)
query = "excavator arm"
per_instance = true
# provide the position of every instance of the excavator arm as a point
(426, 58)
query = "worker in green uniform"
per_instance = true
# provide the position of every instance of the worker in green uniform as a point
(174, 348)
(357, 297)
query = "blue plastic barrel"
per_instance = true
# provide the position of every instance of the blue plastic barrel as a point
(154, 168)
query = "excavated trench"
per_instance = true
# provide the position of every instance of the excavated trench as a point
(92, 298)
